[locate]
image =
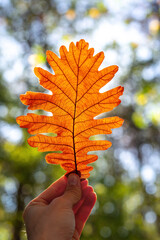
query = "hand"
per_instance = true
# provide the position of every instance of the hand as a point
(60, 212)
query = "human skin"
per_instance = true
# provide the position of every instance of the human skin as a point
(61, 211)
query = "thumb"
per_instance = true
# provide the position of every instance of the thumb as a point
(72, 193)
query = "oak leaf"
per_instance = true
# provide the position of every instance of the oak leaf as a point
(74, 102)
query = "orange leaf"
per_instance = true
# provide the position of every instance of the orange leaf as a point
(74, 102)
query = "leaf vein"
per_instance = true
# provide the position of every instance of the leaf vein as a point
(62, 72)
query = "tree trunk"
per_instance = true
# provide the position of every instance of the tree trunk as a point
(18, 223)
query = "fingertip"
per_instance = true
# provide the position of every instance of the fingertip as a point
(84, 183)
(93, 197)
(73, 180)
(90, 199)
(87, 191)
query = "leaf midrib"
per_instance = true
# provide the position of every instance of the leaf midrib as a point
(74, 116)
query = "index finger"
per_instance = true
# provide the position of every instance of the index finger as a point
(55, 190)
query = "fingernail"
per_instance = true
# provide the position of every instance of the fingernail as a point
(73, 180)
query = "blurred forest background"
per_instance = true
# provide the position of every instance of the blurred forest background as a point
(126, 177)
